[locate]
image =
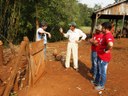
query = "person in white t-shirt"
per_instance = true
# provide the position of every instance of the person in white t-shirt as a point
(73, 34)
(42, 34)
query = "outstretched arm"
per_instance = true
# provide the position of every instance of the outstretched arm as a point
(61, 31)
(64, 34)
(49, 35)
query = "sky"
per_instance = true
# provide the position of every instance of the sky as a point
(91, 3)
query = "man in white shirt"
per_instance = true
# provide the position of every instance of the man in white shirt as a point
(42, 34)
(73, 34)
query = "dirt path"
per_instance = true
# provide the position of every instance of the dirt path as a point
(57, 81)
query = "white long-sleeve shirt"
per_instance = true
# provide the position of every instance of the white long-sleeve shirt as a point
(74, 36)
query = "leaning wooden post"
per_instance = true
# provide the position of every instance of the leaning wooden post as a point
(28, 58)
(1, 53)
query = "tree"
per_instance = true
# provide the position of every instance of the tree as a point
(9, 18)
(84, 15)
(97, 7)
(20, 18)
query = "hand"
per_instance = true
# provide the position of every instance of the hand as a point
(78, 41)
(106, 51)
(61, 30)
(91, 40)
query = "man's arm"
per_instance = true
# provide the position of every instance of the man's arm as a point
(93, 42)
(44, 32)
(49, 35)
(61, 31)
(64, 34)
(109, 47)
(82, 35)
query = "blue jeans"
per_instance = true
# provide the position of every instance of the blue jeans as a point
(45, 51)
(94, 63)
(101, 72)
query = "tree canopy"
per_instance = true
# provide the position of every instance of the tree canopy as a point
(19, 18)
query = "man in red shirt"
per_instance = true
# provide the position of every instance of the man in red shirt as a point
(104, 55)
(95, 43)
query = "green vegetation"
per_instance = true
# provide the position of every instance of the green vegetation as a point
(85, 29)
(18, 18)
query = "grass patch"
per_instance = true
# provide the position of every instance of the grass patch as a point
(86, 30)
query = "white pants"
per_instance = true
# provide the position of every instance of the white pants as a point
(72, 47)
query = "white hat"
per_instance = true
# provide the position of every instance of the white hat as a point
(98, 27)
(72, 24)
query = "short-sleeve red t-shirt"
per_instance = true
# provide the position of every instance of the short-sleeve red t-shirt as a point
(108, 37)
(96, 37)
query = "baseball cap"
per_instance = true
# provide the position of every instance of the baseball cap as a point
(72, 24)
(98, 27)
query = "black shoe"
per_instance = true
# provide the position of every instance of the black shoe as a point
(76, 69)
(91, 71)
(94, 83)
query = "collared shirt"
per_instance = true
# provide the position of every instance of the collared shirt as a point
(74, 36)
(39, 37)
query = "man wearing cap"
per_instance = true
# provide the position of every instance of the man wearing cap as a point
(42, 34)
(73, 34)
(94, 45)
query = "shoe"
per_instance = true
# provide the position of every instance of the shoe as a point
(94, 83)
(91, 71)
(67, 67)
(98, 88)
(76, 69)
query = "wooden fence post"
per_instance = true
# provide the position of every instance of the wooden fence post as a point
(1, 53)
(15, 69)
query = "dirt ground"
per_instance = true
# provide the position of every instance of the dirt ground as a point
(58, 81)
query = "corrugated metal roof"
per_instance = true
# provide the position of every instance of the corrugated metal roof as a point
(113, 11)
(111, 5)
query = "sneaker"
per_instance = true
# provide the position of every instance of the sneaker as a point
(94, 83)
(91, 71)
(76, 69)
(67, 68)
(98, 88)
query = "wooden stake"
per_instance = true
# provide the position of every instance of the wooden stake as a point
(1, 53)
